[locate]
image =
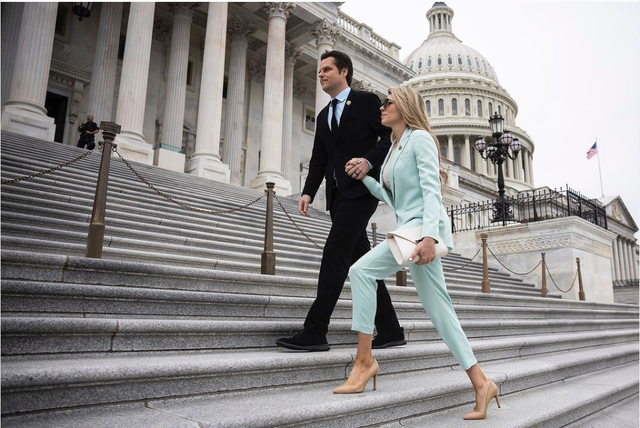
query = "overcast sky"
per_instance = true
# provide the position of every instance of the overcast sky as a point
(572, 68)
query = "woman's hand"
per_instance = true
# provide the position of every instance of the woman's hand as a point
(426, 249)
(357, 168)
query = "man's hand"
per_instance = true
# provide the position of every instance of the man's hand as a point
(87, 132)
(426, 250)
(303, 205)
(357, 168)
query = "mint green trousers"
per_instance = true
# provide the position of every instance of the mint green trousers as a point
(429, 281)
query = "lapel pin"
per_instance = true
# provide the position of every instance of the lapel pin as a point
(348, 103)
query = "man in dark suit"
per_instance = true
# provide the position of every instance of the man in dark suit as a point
(349, 127)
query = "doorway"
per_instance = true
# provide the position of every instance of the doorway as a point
(56, 106)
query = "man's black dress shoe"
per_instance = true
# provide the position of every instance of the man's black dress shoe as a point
(304, 341)
(389, 339)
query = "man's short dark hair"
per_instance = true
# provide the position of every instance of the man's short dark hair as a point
(341, 60)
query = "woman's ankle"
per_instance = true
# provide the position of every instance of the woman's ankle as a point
(366, 360)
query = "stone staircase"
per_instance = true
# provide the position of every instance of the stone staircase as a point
(175, 327)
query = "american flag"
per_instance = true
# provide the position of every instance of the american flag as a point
(592, 151)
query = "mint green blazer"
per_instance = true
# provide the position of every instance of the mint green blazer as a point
(415, 186)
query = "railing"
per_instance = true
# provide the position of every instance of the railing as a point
(365, 33)
(526, 207)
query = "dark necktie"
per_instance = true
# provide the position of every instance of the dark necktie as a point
(334, 121)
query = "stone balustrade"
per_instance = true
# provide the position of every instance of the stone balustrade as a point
(364, 32)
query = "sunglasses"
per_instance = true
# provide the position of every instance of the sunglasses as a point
(387, 102)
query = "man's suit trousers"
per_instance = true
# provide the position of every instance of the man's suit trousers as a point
(429, 281)
(346, 243)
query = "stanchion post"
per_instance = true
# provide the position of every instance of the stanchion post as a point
(486, 285)
(401, 278)
(374, 233)
(581, 294)
(95, 237)
(268, 265)
(545, 291)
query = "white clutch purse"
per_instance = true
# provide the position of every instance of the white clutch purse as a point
(403, 242)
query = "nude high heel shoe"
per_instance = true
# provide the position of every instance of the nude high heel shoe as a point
(491, 393)
(358, 388)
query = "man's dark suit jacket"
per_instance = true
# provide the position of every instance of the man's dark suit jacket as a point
(360, 135)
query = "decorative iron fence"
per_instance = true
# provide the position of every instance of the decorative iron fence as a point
(530, 206)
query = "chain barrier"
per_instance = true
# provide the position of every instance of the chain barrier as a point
(294, 223)
(515, 273)
(55, 168)
(464, 265)
(560, 289)
(170, 199)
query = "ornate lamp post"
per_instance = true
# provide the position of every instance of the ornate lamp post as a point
(504, 145)
(82, 9)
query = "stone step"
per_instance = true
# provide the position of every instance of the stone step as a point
(286, 387)
(81, 187)
(300, 218)
(20, 266)
(35, 205)
(23, 336)
(287, 263)
(87, 169)
(562, 402)
(216, 230)
(241, 263)
(134, 239)
(133, 302)
(609, 395)
(621, 414)
(81, 193)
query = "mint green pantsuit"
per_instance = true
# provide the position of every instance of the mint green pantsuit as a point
(416, 199)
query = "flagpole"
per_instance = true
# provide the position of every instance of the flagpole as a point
(600, 170)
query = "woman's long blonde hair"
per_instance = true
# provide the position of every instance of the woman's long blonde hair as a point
(411, 107)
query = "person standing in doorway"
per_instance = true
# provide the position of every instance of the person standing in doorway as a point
(87, 132)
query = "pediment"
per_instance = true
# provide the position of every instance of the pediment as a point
(617, 210)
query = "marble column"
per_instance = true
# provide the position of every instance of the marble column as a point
(325, 34)
(636, 275)
(466, 154)
(206, 159)
(509, 171)
(238, 32)
(481, 164)
(132, 93)
(623, 260)
(619, 260)
(525, 171)
(627, 256)
(530, 165)
(271, 138)
(292, 54)
(168, 153)
(11, 19)
(24, 112)
(517, 166)
(616, 260)
(253, 123)
(450, 154)
(105, 63)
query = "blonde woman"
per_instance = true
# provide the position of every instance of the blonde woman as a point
(410, 182)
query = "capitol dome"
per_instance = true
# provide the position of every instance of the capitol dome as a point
(461, 91)
(443, 52)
